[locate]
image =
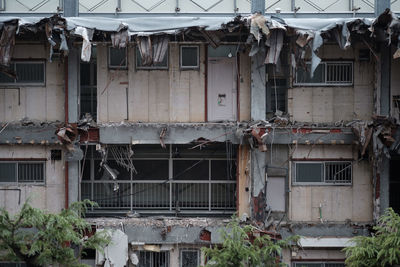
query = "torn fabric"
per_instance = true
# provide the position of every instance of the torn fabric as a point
(120, 39)
(152, 49)
(258, 22)
(160, 45)
(145, 49)
(275, 43)
(7, 42)
(86, 45)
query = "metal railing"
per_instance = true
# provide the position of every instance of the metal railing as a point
(216, 196)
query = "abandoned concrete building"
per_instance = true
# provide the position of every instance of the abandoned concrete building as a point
(175, 114)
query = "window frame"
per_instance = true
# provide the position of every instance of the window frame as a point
(181, 57)
(326, 83)
(115, 67)
(137, 54)
(189, 250)
(152, 254)
(36, 84)
(324, 182)
(17, 182)
(323, 263)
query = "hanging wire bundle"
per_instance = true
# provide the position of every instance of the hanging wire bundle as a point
(123, 155)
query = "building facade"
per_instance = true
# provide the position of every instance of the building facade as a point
(175, 115)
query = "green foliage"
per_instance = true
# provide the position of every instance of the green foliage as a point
(381, 249)
(39, 238)
(243, 246)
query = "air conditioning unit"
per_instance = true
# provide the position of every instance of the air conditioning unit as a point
(2, 5)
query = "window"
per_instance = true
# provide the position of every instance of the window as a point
(189, 57)
(190, 258)
(318, 264)
(117, 58)
(153, 259)
(22, 172)
(28, 73)
(176, 179)
(88, 86)
(327, 73)
(163, 65)
(330, 172)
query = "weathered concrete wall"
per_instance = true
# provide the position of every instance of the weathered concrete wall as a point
(44, 103)
(335, 103)
(48, 196)
(172, 95)
(244, 182)
(339, 203)
(319, 254)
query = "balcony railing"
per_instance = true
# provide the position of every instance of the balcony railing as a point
(208, 196)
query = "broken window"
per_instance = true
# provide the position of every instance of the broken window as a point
(339, 172)
(27, 73)
(176, 179)
(189, 57)
(190, 257)
(22, 172)
(153, 259)
(318, 264)
(327, 73)
(88, 86)
(159, 65)
(117, 58)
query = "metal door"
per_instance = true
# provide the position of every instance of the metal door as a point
(221, 89)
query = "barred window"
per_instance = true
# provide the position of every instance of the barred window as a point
(117, 58)
(190, 258)
(27, 72)
(329, 172)
(327, 73)
(318, 264)
(22, 172)
(153, 259)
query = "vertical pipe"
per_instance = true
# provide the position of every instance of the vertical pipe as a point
(238, 85)
(66, 184)
(205, 82)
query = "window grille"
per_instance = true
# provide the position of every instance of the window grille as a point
(326, 74)
(190, 258)
(117, 58)
(166, 181)
(330, 172)
(28, 73)
(189, 57)
(22, 172)
(153, 259)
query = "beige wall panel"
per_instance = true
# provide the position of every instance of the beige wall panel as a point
(159, 96)
(343, 104)
(245, 85)
(43, 103)
(139, 96)
(31, 51)
(49, 196)
(179, 82)
(322, 104)
(338, 203)
(117, 95)
(301, 104)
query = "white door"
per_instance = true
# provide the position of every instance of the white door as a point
(221, 89)
(276, 193)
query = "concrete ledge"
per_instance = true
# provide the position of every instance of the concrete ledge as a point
(30, 134)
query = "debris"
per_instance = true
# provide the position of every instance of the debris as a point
(162, 135)
(7, 42)
(120, 39)
(116, 252)
(258, 26)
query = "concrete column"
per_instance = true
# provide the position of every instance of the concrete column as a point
(73, 84)
(384, 185)
(258, 6)
(70, 8)
(258, 86)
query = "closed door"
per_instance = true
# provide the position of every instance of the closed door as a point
(222, 89)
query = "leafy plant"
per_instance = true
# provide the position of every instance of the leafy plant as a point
(246, 246)
(40, 239)
(380, 249)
